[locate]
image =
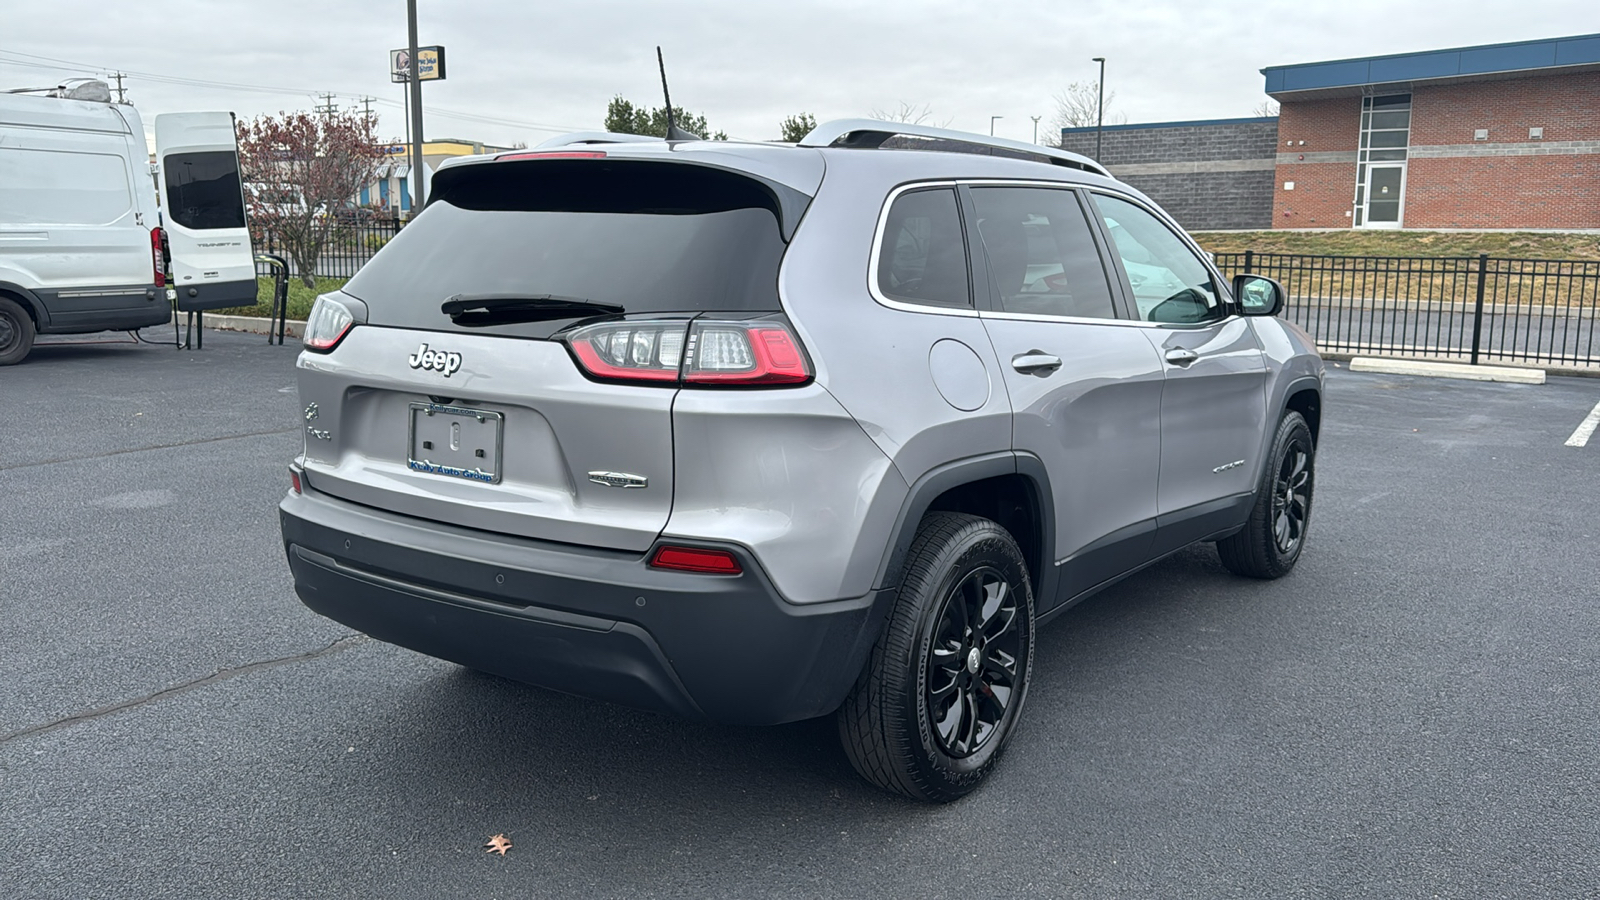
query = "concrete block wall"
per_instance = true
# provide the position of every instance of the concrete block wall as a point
(1207, 175)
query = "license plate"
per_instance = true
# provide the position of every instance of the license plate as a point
(456, 442)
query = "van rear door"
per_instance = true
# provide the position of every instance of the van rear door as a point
(213, 266)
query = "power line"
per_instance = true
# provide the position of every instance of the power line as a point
(72, 66)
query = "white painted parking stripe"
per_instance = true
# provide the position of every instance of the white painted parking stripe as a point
(1581, 436)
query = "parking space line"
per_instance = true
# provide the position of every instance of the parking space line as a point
(1581, 436)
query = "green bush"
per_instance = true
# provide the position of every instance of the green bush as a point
(300, 298)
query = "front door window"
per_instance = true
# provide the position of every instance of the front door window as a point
(1383, 190)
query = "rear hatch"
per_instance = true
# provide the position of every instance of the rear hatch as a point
(459, 398)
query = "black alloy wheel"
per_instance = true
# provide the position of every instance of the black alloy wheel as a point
(972, 662)
(944, 687)
(1274, 536)
(1291, 500)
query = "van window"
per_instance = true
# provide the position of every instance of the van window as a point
(203, 190)
(50, 187)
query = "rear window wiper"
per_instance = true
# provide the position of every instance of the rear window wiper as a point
(478, 310)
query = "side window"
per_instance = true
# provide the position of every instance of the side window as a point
(1042, 257)
(1170, 283)
(923, 258)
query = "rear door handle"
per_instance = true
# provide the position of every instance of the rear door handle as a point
(1035, 362)
(1179, 356)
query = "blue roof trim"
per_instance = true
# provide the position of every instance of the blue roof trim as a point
(1482, 60)
(1091, 129)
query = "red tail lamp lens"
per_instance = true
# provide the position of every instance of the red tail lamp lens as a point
(694, 559)
(746, 354)
(294, 480)
(157, 259)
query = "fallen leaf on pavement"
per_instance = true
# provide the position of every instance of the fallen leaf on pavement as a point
(498, 844)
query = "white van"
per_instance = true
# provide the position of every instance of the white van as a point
(81, 241)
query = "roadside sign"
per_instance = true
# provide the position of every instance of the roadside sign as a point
(430, 64)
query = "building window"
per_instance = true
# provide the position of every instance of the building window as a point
(1381, 162)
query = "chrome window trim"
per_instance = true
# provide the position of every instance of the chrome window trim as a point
(974, 312)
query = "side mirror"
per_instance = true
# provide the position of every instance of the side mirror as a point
(1258, 295)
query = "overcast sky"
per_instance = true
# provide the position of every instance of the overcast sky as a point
(523, 71)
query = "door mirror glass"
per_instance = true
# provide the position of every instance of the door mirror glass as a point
(1258, 295)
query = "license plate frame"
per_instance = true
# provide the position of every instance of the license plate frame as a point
(456, 442)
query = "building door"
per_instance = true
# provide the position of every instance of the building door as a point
(1383, 192)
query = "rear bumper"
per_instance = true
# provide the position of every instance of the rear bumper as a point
(716, 648)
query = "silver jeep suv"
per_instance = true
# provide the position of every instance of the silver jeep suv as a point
(751, 433)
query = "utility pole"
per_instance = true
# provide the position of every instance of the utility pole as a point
(366, 108)
(121, 97)
(1100, 108)
(1036, 127)
(991, 124)
(328, 108)
(415, 85)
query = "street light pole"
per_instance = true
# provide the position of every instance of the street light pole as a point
(415, 106)
(1036, 127)
(991, 124)
(1100, 108)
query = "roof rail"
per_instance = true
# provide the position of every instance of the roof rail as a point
(595, 137)
(871, 133)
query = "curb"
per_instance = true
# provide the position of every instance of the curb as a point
(254, 325)
(1446, 370)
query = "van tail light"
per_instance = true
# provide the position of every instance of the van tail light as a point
(158, 259)
(696, 559)
(753, 353)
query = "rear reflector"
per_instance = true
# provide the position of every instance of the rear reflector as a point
(693, 559)
(294, 479)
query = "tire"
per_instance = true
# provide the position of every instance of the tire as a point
(1272, 538)
(936, 704)
(16, 332)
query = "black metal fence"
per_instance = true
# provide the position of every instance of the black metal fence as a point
(1469, 309)
(352, 244)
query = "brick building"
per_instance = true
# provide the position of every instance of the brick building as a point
(1495, 136)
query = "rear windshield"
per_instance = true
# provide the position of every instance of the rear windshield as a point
(649, 237)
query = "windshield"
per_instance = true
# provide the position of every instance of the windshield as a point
(648, 237)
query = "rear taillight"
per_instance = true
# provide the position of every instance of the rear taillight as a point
(328, 323)
(158, 260)
(700, 352)
(294, 479)
(695, 559)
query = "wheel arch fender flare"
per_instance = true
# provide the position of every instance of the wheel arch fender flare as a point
(1281, 404)
(942, 479)
(30, 301)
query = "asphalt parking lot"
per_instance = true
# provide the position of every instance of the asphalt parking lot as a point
(1414, 712)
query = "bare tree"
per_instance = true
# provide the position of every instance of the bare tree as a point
(909, 114)
(1078, 106)
(302, 170)
(1266, 108)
